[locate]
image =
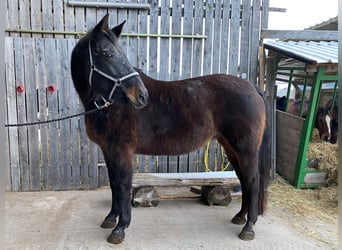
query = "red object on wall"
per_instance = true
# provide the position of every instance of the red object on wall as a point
(52, 88)
(20, 89)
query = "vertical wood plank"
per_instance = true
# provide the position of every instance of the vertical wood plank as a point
(153, 42)
(217, 37)
(162, 164)
(142, 163)
(32, 110)
(74, 125)
(83, 153)
(175, 42)
(183, 165)
(234, 37)
(13, 177)
(132, 27)
(52, 100)
(69, 19)
(21, 106)
(254, 41)
(198, 43)
(43, 113)
(58, 17)
(80, 24)
(62, 67)
(93, 169)
(152, 164)
(123, 16)
(47, 17)
(209, 29)
(36, 16)
(187, 23)
(142, 41)
(193, 161)
(225, 35)
(164, 73)
(245, 36)
(24, 16)
(12, 16)
(172, 164)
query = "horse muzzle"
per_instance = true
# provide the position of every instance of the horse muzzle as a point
(138, 96)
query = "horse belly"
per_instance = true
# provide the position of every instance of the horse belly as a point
(173, 144)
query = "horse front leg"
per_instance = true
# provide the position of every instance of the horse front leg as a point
(120, 177)
(110, 220)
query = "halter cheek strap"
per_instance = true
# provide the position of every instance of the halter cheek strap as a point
(117, 81)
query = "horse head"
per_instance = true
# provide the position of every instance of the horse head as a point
(101, 71)
(322, 123)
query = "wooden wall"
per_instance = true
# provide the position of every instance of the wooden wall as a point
(289, 129)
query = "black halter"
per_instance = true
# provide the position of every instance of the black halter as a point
(117, 81)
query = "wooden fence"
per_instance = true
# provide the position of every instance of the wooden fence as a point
(166, 39)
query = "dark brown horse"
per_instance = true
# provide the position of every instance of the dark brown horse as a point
(322, 118)
(138, 114)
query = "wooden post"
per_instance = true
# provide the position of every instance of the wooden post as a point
(271, 93)
(216, 195)
(145, 197)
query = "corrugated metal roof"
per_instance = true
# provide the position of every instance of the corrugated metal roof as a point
(311, 52)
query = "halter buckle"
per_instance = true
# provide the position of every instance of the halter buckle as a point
(106, 103)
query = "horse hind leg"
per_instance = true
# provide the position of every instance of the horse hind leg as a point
(246, 167)
(240, 217)
(250, 174)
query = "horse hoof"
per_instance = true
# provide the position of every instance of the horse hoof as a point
(237, 220)
(246, 235)
(108, 224)
(116, 237)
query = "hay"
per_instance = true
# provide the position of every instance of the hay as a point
(310, 211)
(303, 202)
(327, 157)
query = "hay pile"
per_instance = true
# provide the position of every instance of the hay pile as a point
(310, 211)
(326, 155)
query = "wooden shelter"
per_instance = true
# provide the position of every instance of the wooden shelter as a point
(312, 64)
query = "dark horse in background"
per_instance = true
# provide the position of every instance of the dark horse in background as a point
(323, 121)
(333, 107)
(138, 114)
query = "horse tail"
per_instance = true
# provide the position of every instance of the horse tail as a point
(264, 159)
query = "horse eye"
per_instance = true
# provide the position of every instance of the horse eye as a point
(107, 54)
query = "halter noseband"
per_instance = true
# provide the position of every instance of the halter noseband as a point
(117, 81)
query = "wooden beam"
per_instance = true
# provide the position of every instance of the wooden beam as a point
(312, 35)
(218, 178)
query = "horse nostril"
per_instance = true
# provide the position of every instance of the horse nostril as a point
(142, 98)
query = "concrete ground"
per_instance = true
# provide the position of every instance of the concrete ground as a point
(71, 220)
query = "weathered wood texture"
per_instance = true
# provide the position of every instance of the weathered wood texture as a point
(54, 156)
(289, 128)
(215, 36)
(218, 178)
(216, 195)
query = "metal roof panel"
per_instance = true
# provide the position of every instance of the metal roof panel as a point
(312, 52)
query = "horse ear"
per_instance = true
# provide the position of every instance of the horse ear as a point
(117, 29)
(102, 25)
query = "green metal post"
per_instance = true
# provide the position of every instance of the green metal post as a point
(301, 162)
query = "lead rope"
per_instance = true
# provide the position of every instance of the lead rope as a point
(52, 120)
